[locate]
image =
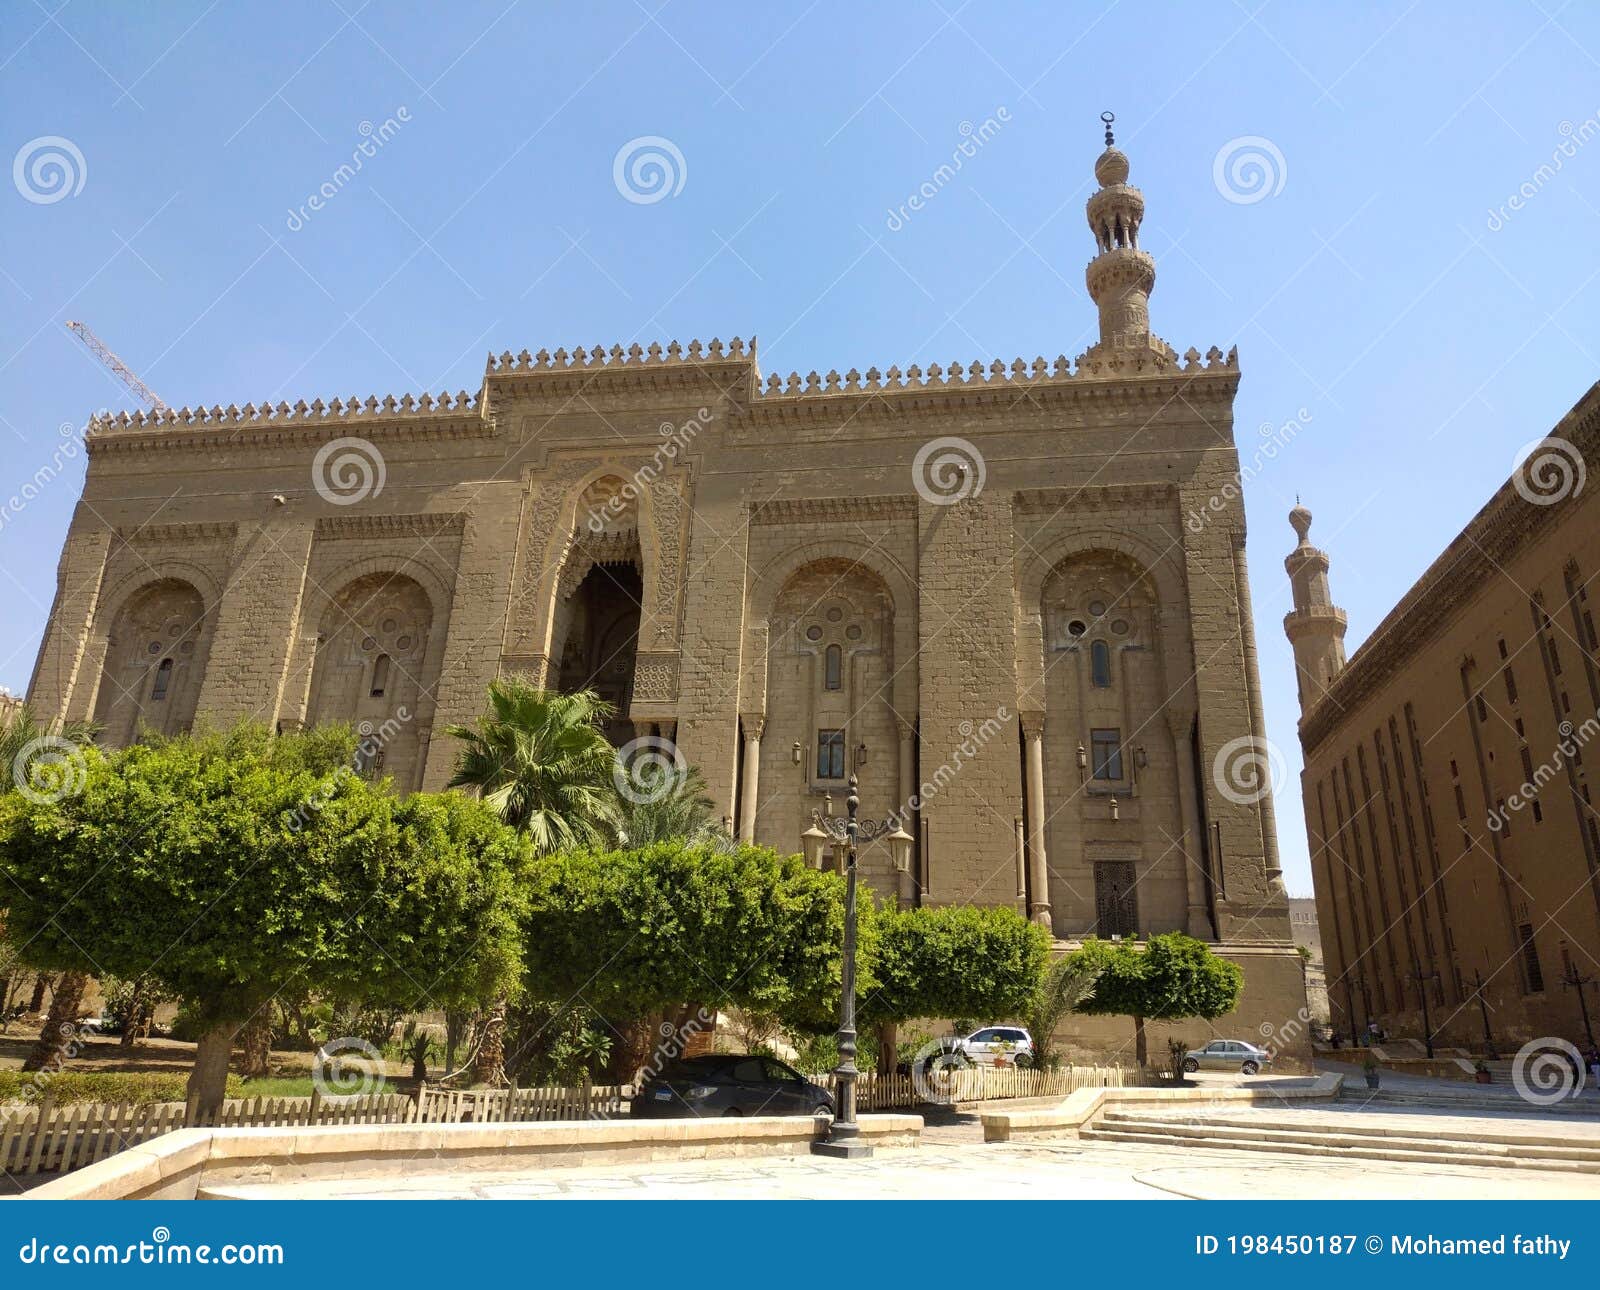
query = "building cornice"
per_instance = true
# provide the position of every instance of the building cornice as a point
(1506, 525)
(803, 510)
(428, 524)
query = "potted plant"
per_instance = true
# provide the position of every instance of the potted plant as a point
(1370, 1069)
(1480, 1072)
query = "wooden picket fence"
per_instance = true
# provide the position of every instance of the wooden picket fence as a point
(478, 1106)
(875, 1092)
(54, 1139)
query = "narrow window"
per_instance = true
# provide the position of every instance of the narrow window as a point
(1483, 711)
(1533, 974)
(380, 676)
(1511, 685)
(833, 668)
(163, 679)
(1107, 754)
(830, 754)
(1100, 663)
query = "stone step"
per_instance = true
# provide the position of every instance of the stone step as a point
(1524, 1144)
(1584, 1106)
(1345, 1149)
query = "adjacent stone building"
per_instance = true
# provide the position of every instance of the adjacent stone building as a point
(1455, 847)
(1010, 597)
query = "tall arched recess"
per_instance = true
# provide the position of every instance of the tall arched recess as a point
(377, 667)
(155, 660)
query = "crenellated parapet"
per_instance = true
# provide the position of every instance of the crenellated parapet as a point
(635, 356)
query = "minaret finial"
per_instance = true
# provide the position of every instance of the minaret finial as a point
(1108, 118)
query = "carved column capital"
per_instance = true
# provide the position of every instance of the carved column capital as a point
(906, 726)
(1032, 724)
(753, 723)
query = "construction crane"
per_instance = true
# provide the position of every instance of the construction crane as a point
(120, 369)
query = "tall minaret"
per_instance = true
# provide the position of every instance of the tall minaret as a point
(1121, 277)
(1315, 626)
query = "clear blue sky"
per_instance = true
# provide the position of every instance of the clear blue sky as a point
(1369, 290)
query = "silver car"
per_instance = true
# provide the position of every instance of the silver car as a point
(1227, 1055)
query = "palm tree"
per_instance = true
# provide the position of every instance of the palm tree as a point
(542, 761)
(674, 805)
(1066, 983)
(16, 737)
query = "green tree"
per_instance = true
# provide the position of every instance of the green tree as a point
(232, 868)
(1172, 978)
(542, 762)
(952, 961)
(635, 933)
(33, 757)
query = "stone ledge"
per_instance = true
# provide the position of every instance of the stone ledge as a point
(1082, 1108)
(177, 1165)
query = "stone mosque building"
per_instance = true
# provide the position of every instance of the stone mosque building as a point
(1010, 597)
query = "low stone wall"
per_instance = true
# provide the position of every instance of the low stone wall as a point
(1083, 1108)
(180, 1165)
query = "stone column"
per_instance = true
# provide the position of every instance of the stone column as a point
(1039, 867)
(907, 728)
(754, 723)
(1190, 844)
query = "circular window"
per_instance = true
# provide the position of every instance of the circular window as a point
(835, 614)
(1097, 607)
(389, 625)
(1119, 626)
(1076, 627)
(367, 642)
(403, 643)
(813, 633)
(853, 632)
(155, 647)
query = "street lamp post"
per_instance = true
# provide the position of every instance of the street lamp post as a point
(1573, 980)
(844, 1134)
(1483, 1010)
(1422, 978)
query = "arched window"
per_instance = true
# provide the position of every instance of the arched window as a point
(1100, 663)
(833, 669)
(380, 676)
(163, 680)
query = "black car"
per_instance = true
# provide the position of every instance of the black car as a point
(734, 1084)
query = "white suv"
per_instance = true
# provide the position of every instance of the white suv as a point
(997, 1046)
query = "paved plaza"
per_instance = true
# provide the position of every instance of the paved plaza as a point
(1063, 1170)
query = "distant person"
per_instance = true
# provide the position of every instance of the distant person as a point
(1592, 1059)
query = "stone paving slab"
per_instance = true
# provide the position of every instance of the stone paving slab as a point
(996, 1171)
(1420, 1121)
